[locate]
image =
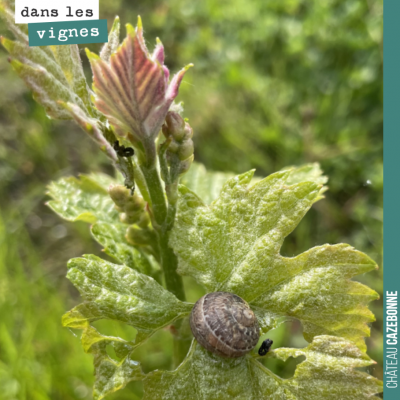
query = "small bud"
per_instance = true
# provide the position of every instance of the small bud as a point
(174, 125)
(119, 195)
(131, 208)
(188, 132)
(180, 150)
(186, 150)
(131, 218)
(173, 147)
(185, 165)
(134, 204)
(144, 220)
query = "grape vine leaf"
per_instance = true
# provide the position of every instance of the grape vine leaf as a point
(112, 237)
(314, 287)
(85, 199)
(110, 374)
(208, 184)
(234, 244)
(132, 88)
(327, 373)
(120, 293)
(53, 73)
(204, 183)
(113, 41)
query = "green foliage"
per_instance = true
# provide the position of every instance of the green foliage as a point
(275, 95)
(32, 345)
(206, 185)
(54, 73)
(332, 360)
(120, 293)
(82, 200)
(231, 245)
(216, 251)
(112, 237)
(327, 373)
(113, 41)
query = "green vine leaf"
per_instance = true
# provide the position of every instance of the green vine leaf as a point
(120, 293)
(315, 288)
(53, 73)
(306, 173)
(110, 374)
(327, 373)
(234, 245)
(112, 237)
(85, 199)
(208, 184)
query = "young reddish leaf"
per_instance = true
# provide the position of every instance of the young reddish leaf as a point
(133, 88)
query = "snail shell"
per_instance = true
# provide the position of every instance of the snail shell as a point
(224, 324)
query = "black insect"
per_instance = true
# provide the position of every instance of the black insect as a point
(123, 151)
(265, 346)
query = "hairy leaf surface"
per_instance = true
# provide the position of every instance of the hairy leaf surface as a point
(85, 199)
(112, 237)
(120, 293)
(208, 184)
(53, 73)
(327, 373)
(234, 245)
(110, 374)
(113, 41)
(132, 88)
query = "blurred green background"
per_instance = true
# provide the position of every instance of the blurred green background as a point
(275, 83)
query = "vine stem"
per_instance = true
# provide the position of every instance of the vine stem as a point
(160, 213)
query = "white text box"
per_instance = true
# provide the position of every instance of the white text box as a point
(31, 11)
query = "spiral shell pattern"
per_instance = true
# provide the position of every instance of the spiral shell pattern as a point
(224, 324)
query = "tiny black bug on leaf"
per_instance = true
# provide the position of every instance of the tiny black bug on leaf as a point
(265, 346)
(123, 151)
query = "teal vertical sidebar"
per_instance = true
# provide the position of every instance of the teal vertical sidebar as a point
(391, 280)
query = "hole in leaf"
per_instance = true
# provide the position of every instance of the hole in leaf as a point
(156, 352)
(115, 328)
(193, 290)
(132, 391)
(111, 352)
(288, 334)
(286, 369)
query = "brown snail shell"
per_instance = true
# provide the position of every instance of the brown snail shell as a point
(224, 324)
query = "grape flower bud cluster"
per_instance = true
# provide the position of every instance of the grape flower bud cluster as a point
(180, 150)
(131, 208)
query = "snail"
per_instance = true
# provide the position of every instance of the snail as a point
(224, 324)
